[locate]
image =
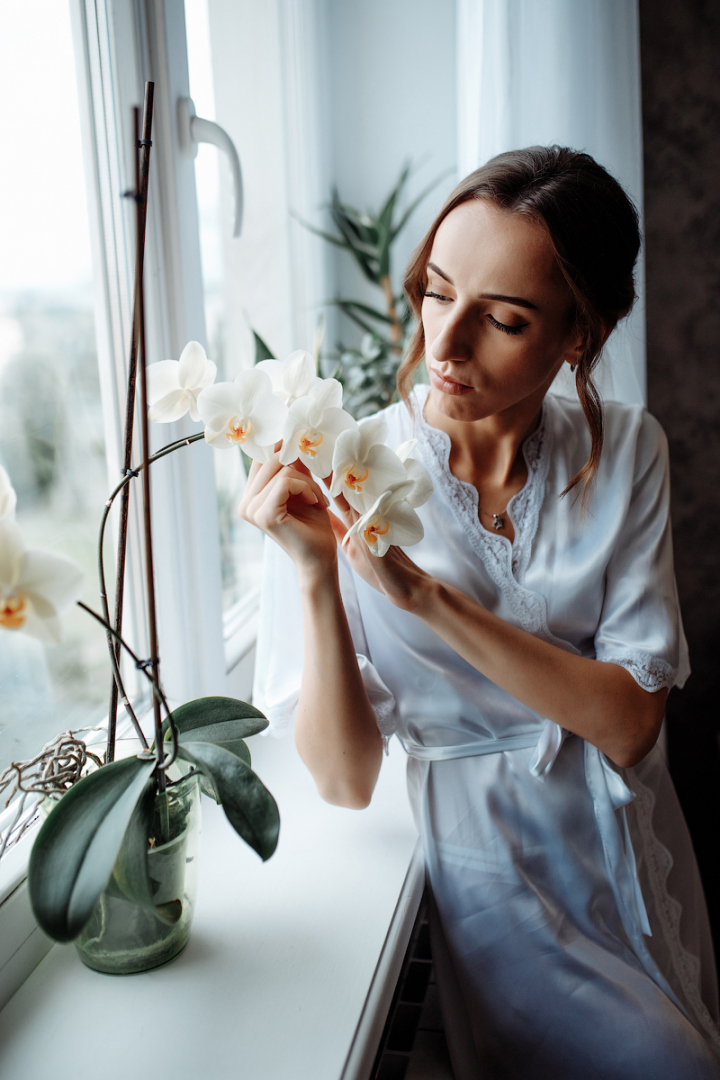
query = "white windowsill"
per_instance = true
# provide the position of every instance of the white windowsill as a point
(290, 965)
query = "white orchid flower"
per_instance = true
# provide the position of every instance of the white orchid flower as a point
(8, 498)
(35, 586)
(243, 413)
(422, 484)
(362, 466)
(175, 385)
(312, 427)
(293, 377)
(390, 520)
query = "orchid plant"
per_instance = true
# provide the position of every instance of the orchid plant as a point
(275, 402)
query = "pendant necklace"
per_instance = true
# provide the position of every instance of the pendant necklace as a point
(498, 519)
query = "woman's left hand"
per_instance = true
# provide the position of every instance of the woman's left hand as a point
(393, 574)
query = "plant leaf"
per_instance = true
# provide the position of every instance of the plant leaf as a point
(416, 202)
(248, 805)
(362, 323)
(75, 851)
(262, 351)
(130, 874)
(371, 311)
(220, 719)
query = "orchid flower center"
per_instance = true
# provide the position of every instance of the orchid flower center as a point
(238, 430)
(12, 611)
(310, 440)
(356, 476)
(373, 529)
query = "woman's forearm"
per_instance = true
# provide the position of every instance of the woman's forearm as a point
(600, 702)
(336, 733)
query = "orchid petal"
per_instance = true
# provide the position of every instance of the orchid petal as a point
(218, 403)
(405, 449)
(423, 485)
(171, 407)
(300, 374)
(48, 630)
(373, 430)
(192, 366)
(51, 581)
(8, 498)
(274, 371)
(162, 379)
(12, 554)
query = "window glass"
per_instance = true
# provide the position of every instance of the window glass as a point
(51, 426)
(240, 543)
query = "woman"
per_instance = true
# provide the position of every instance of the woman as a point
(524, 654)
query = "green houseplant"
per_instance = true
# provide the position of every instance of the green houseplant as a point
(368, 371)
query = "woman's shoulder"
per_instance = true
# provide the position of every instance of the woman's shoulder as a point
(630, 432)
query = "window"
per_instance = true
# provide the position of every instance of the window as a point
(52, 439)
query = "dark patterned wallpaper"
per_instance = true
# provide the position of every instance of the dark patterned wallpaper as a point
(680, 55)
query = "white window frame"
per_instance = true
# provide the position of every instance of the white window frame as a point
(119, 44)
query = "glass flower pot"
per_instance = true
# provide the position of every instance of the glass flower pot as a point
(121, 937)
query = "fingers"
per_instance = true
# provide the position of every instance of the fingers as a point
(267, 506)
(338, 528)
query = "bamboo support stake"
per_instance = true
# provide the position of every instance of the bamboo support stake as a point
(142, 173)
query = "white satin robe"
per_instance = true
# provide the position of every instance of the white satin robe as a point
(570, 935)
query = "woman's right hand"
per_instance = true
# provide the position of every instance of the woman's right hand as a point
(288, 505)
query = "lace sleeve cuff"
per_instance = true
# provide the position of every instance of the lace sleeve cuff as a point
(650, 672)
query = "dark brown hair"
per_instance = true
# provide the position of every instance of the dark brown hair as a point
(594, 230)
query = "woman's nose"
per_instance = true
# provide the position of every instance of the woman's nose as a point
(455, 340)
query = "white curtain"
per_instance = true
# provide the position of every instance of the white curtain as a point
(559, 71)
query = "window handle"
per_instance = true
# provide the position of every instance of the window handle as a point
(194, 130)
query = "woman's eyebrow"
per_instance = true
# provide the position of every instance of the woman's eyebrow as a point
(432, 266)
(519, 300)
(510, 300)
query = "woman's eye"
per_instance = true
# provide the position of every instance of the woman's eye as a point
(436, 296)
(507, 329)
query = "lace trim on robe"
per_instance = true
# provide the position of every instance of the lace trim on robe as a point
(505, 563)
(659, 863)
(650, 672)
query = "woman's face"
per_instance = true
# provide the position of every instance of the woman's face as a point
(495, 313)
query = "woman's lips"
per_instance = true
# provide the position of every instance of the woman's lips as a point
(448, 386)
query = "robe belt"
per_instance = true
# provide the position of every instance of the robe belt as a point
(610, 795)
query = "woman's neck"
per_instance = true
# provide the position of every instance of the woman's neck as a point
(487, 452)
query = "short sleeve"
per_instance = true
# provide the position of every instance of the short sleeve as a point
(279, 655)
(640, 625)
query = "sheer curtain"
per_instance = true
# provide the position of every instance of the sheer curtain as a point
(567, 72)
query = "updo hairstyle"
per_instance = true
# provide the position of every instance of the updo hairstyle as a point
(594, 230)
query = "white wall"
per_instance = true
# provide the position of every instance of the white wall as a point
(389, 96)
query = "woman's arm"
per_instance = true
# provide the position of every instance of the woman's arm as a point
(601, 702)
(335, 732)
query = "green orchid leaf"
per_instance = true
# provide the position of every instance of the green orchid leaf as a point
(131, 878)
(217, 719)
(262, 351)
(248, 805)
(75, 851)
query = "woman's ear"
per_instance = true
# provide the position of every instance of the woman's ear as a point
(574, 354)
